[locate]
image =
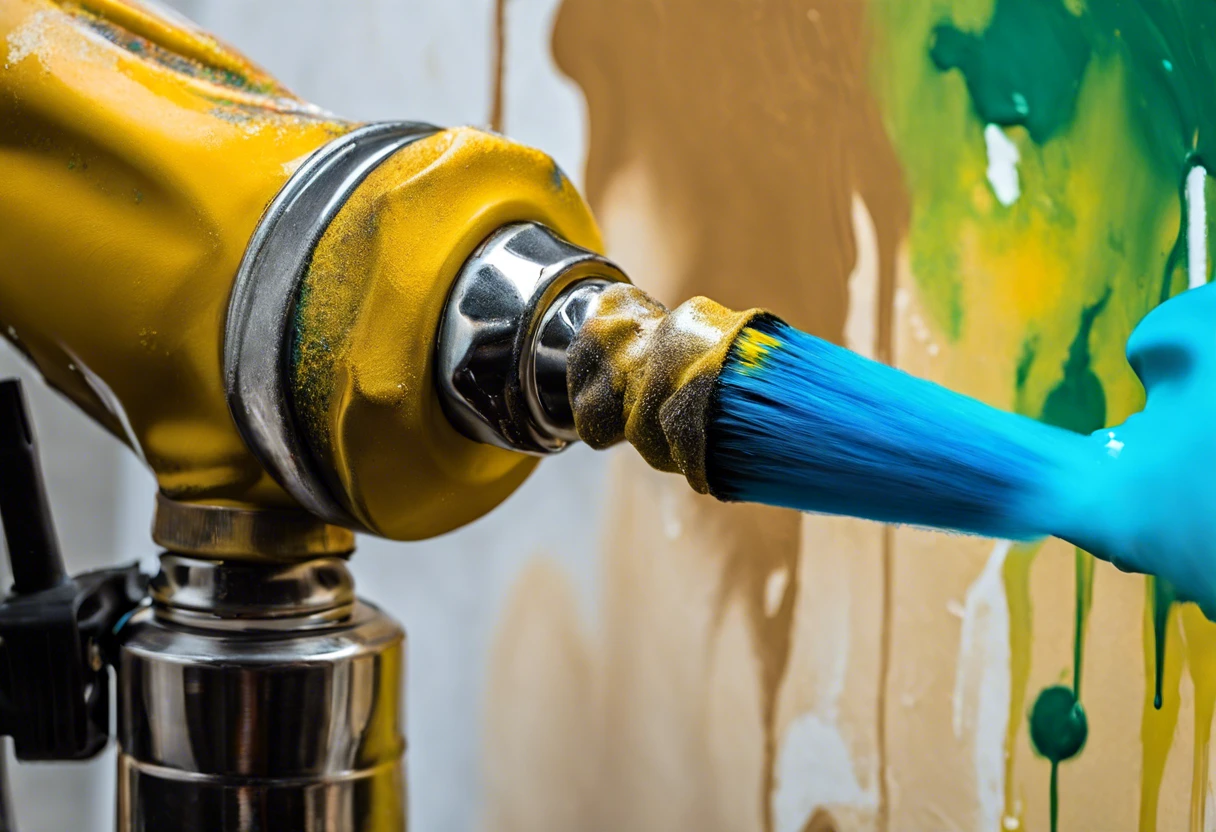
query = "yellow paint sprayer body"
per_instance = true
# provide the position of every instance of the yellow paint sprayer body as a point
(142, 169)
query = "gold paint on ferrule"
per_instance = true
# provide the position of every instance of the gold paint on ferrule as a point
(641, 373)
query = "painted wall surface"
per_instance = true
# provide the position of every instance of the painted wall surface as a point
(988, 193)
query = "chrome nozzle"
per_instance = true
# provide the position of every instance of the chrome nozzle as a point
(512, 313)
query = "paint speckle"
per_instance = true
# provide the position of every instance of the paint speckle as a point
(1003, 161)
(27, 39)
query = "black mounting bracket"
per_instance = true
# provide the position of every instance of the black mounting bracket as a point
(56, 631)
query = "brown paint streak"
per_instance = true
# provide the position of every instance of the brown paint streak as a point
(498, 92)
(756, 127)
(821, 821)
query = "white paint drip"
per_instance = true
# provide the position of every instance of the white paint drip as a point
(981, 684)
(816, 767)
(1003, 161)
(1196, 228)
(669, 511)
(861, 323)
(775, 585)
(815, 771)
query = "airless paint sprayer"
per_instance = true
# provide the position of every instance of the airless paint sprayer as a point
(305, 327)
(308, 327)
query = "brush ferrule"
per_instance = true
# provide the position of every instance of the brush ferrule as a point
(512, 314)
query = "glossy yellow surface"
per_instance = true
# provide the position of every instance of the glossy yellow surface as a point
(136, 156)
(368, 315)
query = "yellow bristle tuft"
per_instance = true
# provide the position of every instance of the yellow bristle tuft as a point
(753, 347)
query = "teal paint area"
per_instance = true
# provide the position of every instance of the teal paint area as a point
(1027, 65)
(1010, 84)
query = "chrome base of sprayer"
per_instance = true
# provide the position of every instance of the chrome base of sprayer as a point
(259, 696)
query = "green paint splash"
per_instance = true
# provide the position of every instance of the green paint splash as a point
(1027, 66)
(1058, 725)
(1110, 104)
(1010, 85)
(1058, 730)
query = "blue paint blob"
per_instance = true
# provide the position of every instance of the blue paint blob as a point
(1151, 497)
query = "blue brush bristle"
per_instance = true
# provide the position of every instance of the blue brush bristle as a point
(802, 423)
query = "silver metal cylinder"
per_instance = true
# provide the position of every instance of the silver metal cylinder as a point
(515, 307)
(260, 698)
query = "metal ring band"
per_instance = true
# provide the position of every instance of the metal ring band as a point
(224, 532)
(261, 311)
(253, 596)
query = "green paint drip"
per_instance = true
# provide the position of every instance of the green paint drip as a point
(1055, 796)
(1164, 598)
(1078, 402)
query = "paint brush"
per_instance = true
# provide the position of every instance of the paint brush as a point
(750, 409)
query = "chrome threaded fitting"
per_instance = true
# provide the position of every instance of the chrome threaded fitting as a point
(512, 313)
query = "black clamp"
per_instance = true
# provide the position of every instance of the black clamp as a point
(56, 632)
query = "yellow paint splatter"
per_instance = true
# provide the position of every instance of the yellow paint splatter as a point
(1200, 637)
(1016, 576)
(1157, 726)
(753, 346)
